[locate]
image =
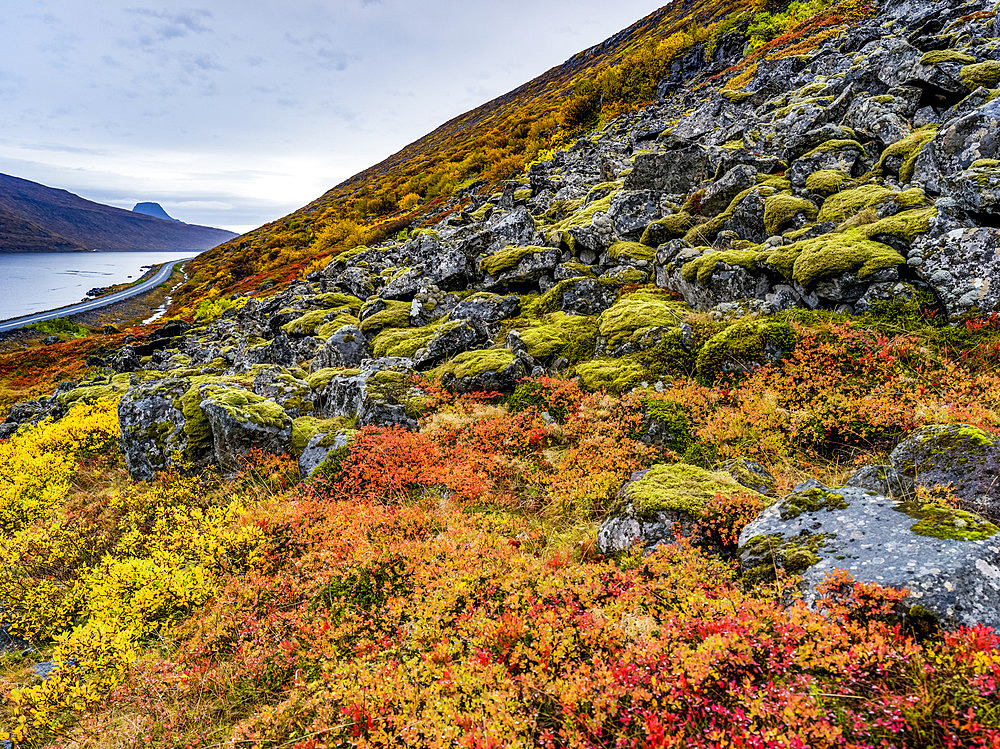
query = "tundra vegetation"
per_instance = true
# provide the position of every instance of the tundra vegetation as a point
(467, 452)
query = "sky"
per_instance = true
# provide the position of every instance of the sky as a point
(233, 113)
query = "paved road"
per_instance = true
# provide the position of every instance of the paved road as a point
(161, 275)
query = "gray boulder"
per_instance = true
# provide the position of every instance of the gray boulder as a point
(288, 391)
(720, 193)
(631, 212)
(379, 393)
(319, 448)
(675, 172)
(956, 146)
(487, 308)
(948, 560)
(976, 190)
(345, 348)
(242, 421)
(963, 456)
(25, 412)
(161, 428)
(451, 338)
(884, 480)
(962, 266)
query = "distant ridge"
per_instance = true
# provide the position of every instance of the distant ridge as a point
(36, 218)
(153, 209)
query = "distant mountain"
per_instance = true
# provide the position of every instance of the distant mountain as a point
(36, 218)
(152, 209)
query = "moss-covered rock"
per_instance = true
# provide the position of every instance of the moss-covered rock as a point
(939, 56)
(782, 208)
(981, 74)
(961, 456)
(394, 315)
(490, 370)
(402, 341)
(614, 375)
(241, 421)
(631, 252)
(903, 153)
(744, 346)
(558, 334)
(623, 325)
(812, 260)
(828, 181)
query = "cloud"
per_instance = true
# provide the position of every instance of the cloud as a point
(320, 50)
(161, 26)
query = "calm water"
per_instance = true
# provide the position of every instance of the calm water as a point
(38, 281)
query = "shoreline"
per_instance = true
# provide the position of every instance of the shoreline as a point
(130, 311)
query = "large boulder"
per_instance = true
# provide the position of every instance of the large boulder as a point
(948, 560)
(657, 504)
(380, 393)
(959, 144)
(486, 371)
(962, 266)
(347, 347)
(162, 425)
(674, 172)
(957, 455)
(242, 421)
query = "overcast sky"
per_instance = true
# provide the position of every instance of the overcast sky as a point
(235, 112)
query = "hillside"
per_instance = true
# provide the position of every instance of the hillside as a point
(36, 218)
(673, 423)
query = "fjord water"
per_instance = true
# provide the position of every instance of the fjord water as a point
(38, 281)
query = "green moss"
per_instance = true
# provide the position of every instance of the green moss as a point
(508, 258)
(847, 203)
(87, 393)
(523, 194)
(836, 145)
(907, 225)
(581, 270)
(937, 56)
(884, 99)
(395, 315)
(350, 254)
(246, 406)
(762, 557)
(744, 342)
(827, 181)
(781, 208)
(580, 218)
(812, 260)
(305, 428)
(735, 96)
(680, 488)
(635, 314)
(673, 419)
(985, 74)
(631, 251)
(306, 324)
(614, 375)
(908, 149)
(938, 521)
(480, 213)
(476, 363)
(985, 164)
(329, 469)
(334, 300)
(674, 225)
(389, 387)
(327, 329)
(703, 266)
(774, 182)
(403, 341)
(811, 500)
(559, 334)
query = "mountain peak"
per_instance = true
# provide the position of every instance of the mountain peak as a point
(152, 209)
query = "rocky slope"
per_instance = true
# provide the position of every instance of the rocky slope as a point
(860, 177)
(35, 218)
